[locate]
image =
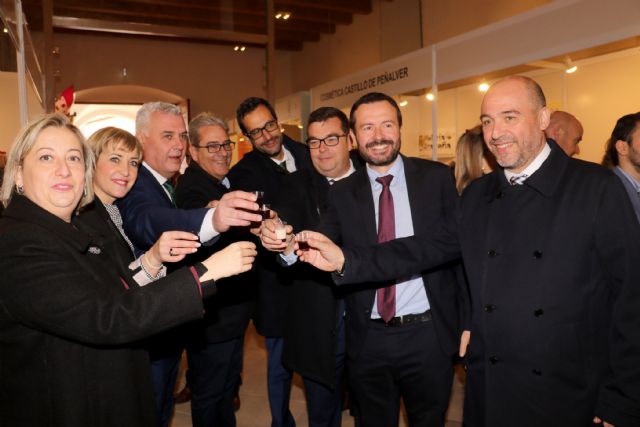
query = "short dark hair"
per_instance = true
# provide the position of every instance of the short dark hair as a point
(247, 106)
(323, 114)
(622, 131)
(370, 98)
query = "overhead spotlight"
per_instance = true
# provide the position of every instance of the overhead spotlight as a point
(237, 48)
(243, 48)
(299, 126)
(430, 97)
(5, 30)
(483, 87)
(403, 103)
(570, 67)
(283, 15)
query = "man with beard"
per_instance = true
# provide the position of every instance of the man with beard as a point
(551, 247)
(274, 156)
(402, 333)
(623, 156)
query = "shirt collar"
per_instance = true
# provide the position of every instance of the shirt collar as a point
(634, 183)
(161, 179)
(287, 156)
(397, 170)
(534, 165)
(349, 172)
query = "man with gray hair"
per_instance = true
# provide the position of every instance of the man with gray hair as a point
(216, 342)
(150, 209)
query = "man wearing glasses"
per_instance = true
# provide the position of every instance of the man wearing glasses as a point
(314, 339)
(274, 156)
(215, 343)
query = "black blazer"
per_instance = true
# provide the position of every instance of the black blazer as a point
(69, 328)
(350, 220)
(553, 274)
(227, 315)
(313, 301)
(256, 171)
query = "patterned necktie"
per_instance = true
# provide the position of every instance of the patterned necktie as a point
(171, 191)
(386, 231)
(518, 179)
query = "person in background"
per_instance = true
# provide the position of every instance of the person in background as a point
(473, 159)
(622, 155)
(566, 131)
(72, 318)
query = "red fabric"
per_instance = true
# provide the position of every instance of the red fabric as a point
(386, 231)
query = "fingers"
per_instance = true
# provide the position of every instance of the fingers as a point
(464, 342)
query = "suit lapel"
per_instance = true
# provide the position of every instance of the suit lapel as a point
(147, 180)
(417, 201)
(361, 191)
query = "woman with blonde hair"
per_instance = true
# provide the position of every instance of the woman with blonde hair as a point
(71, 318)
(473, 159)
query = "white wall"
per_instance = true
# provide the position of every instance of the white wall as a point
(10, 124)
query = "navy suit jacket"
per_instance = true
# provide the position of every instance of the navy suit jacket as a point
(147, 212)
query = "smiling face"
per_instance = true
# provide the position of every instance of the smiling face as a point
(52, 173)
(377, 131)
(216, 164)
(513, 123)
(164, 142)
(332, 162)
(267, 142)
(116, 172)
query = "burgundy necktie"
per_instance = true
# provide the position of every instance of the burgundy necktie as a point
(386, 232)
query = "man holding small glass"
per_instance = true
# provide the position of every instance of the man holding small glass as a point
(274, 156)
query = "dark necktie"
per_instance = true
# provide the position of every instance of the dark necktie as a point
(171, 191)
(386, 231)
(518, 179)
(332, 181)
(283, 165)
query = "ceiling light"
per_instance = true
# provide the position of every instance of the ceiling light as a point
(299, 126)
(242, 49)
(403, 103)
(4, 30)
(570, 67)
(430, 97)
(483, 87)
(283, 15)
(237, 48)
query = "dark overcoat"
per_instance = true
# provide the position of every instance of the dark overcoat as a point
(70, 328)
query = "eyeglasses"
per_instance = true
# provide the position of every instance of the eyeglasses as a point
(329, 141)
(270, 126)
(215, 147)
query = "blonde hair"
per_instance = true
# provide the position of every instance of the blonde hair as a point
(470, 152)
(25, 142)
(113, 137)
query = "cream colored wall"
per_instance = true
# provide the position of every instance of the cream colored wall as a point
(213, 77)
(390, 30)
(444, 19)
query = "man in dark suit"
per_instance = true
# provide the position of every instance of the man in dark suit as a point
(149, 210)
(401, 334)
(314, 336)
(274, 156)
(551, 248)
(214, 350)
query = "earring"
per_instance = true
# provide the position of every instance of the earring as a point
(19, 189)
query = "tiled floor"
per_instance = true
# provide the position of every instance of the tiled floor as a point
(254, 410)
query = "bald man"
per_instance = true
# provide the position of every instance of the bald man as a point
(566, 130)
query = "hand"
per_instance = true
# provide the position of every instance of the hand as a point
(213, 204)
(322, 253)
(464, 342)
(172, 246)
(597, 420)
(271, 241)
(234, 259)
(257, 231)
(237, 208)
